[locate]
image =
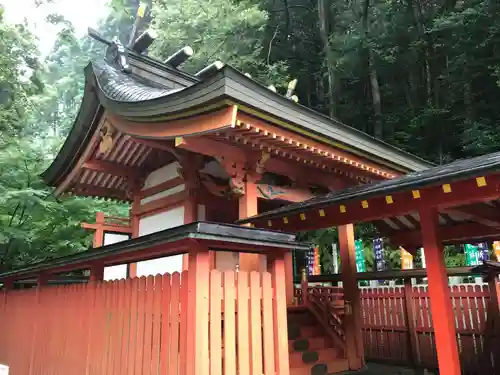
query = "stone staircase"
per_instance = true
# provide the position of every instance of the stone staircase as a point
(312, 351)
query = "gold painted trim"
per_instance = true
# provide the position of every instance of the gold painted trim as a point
(481, 181)
(446, 188)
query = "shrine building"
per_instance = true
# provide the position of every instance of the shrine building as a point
(208, 162)
(215, 145)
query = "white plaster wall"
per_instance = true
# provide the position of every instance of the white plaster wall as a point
(155, 223)
(4, 370)
(164, 193)
(161, 221)
(165, 173)
(119, 271)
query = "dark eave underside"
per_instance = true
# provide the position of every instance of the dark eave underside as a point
(225, 234)
(443, 174)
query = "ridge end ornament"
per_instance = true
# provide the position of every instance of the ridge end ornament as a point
(116, 55)
(264, 157)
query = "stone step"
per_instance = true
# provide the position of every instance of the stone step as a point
(309, 344)
(299, 359)
(326, 368)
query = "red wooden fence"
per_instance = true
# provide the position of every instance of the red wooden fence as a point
(397, 325)
(139, 326)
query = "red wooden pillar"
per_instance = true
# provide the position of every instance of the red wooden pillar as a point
(97, 272)
(98, 239)
(353, 333)
(191, 201)
(248, 207)
(198, 311)
(134, 223)
(439, 292)
(281, 355)
(289, 277)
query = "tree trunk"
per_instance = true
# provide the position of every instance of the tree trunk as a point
(378, 129)
(324, 30)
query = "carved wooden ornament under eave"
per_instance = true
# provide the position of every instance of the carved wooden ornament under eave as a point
(106, 134)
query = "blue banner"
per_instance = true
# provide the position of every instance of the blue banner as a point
(378, 249)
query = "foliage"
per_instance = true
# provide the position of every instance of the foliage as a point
(229, 31)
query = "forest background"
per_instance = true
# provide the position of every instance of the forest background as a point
(423, 75)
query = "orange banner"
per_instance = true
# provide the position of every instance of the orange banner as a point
(496, 249)
(406, 259)
(316, 264)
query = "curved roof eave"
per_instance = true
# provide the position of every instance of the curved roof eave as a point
(141, 100)
(228, 83)
(86, 122)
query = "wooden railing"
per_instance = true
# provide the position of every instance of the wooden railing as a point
(328, 306)
(398, 328)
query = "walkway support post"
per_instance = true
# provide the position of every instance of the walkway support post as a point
(353, 333)
(443, 315)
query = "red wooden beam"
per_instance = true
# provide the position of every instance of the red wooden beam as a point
(114, 169)
(271, 192)
(215, 149)
(449, 234)
(203, 123)
(107, 227)
(386, 205)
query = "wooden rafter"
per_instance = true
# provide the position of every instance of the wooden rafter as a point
(95, 191)
(302, 158)
(267, 131)
(113, 169)
(482, 214)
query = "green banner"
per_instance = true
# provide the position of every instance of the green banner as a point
(472, 257)
(360, 256)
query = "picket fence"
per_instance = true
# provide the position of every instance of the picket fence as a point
(140, 326)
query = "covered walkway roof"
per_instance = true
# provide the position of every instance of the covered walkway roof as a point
(465, 192)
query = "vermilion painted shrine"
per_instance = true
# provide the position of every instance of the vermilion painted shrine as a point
(193, 154)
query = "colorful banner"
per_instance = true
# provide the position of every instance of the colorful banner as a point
(310, 262)
(360, 256)
(476, 254)
(406, 259)
(316, 262)
(496, 250)
(378, 249)
(483, 250)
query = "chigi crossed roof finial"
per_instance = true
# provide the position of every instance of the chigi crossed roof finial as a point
(116, 54)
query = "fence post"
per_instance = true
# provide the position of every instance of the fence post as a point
(304, 286)
(410, 322)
